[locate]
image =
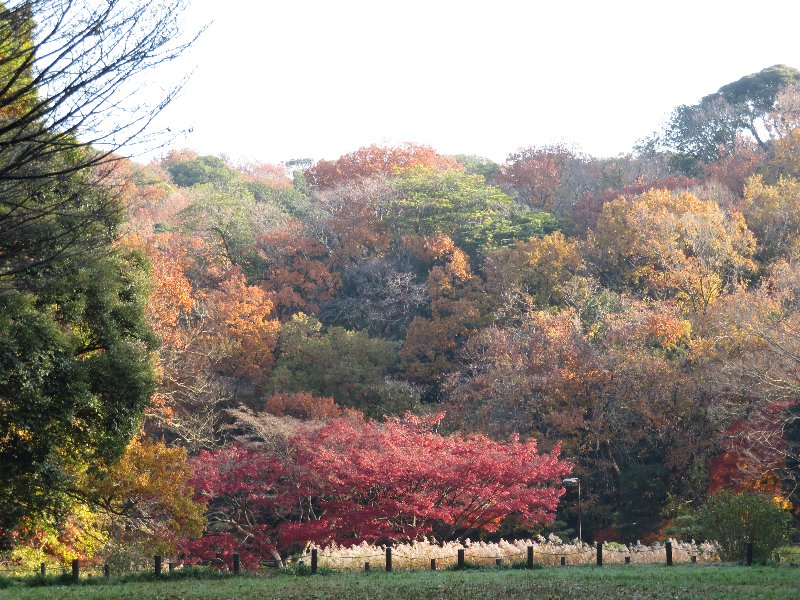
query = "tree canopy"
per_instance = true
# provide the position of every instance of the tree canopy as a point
(76, 368)
(707, 131)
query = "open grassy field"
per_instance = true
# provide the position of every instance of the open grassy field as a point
(708, 582)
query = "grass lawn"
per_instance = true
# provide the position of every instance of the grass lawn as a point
(708, 582)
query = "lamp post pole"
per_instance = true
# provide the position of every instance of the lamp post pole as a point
(580, 511)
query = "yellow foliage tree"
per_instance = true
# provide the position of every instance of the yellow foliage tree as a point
(145, 500)
(773, 213)
(537, 268)
(665, 245)
(140, 506)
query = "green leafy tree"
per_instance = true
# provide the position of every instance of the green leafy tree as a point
(75, 376)
(753, 96)
(348, 366)
(223, 216)
(478, 217)
(203, 169)
(288, 201)
(734, 519)
(706, 131)
(642, 493)
(479, 165)
(75, 363)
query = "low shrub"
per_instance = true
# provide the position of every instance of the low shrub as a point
(734, 519)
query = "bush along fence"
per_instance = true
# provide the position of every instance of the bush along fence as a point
(451, 556)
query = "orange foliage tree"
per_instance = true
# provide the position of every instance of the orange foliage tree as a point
(304, 405)
(376, 160)
(432, 343)
(240, 318)
(294, 271)
(171, 299)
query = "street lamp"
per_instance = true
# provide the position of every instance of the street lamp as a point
(580, 513)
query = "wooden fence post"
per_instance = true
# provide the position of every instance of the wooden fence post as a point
(106, 570)
(43, 569)
(563, 561)
(314, 560)
(694, 559)
(76, 571)
(599, 554)
(749, 556)
(530, 557)
(235, 563)
(627, 560)
(366, 566)
(388, 559)
(158, 566)
(433, 564)
(498, 562)
(460, 558)
(668, 548)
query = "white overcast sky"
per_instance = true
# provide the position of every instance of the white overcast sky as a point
(276, 80)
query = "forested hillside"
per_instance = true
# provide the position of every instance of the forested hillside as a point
(641, 309)
(400, 343)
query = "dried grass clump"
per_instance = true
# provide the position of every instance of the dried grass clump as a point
(546, 551)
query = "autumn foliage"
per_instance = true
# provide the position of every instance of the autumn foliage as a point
(303, 405)
(241, 317)
(638, 320)
(393, 279)
(351, 481)
(211, 356)
(297, 275)
(376, 160)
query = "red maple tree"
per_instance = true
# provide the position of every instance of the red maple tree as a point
(351, 481)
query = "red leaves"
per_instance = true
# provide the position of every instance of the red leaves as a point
(238, 488)
(235, 472)
(351, 481)
(401, 480)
